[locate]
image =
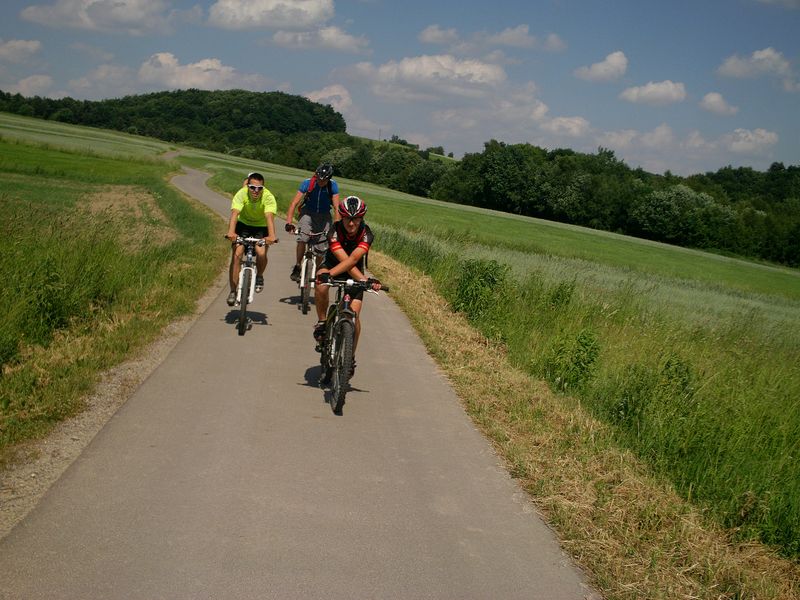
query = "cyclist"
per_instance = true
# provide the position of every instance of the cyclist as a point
(349, 241)
(315, 197)
(252, 215)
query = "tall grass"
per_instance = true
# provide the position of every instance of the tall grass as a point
(85, 286)
(712, 405)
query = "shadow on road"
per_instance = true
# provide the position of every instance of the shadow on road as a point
(256, 318)
(294, 301)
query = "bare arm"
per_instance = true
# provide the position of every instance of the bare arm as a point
(292, 206)
(231, 235)
(271, 237)
(347, 264)
(335, 199)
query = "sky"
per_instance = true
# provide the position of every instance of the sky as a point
(685, 86)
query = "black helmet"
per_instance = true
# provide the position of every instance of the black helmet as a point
(324, 171)
(352, 207)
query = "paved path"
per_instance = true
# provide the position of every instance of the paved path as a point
(226, 475)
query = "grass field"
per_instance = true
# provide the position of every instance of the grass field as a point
(97, 254)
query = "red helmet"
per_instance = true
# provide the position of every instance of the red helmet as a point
(352, 207)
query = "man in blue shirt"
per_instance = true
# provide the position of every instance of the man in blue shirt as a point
(315, 197)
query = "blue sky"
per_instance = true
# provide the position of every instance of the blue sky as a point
(682, 86)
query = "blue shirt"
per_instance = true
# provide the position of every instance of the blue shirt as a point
(319, 200)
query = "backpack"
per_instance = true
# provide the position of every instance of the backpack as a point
(311, 185)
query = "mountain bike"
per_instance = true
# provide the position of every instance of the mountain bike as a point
(247, 280)
(308, 268)
(336, 349)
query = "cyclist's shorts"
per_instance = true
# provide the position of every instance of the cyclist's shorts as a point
(317, 223)
(358, 295)
(250, 230)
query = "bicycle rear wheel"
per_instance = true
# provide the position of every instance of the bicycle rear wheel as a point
(343, 363)
(242, 325)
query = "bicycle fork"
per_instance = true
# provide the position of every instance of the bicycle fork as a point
(251, 291)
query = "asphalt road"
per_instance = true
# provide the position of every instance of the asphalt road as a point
(226, 475)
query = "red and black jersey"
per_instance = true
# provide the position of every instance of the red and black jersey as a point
(337, 238)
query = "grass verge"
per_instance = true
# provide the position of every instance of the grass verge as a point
(633, 533)
(96, 267)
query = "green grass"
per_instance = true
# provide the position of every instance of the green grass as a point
(87, 286)
(77, 138)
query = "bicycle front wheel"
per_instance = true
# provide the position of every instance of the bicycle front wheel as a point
(305, 290)
(343, 364)
(245, 297)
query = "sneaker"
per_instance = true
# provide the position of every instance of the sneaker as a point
(231, 299)
(259, 283)
(295, 276)
(319, 331)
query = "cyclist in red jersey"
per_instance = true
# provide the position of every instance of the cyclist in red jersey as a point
(349, 241)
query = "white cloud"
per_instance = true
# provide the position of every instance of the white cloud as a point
(715, 103)
(610, 69)
(105, 81)
(617, 140)
(336, 95)
(164, 71)
(553, 43)
(660, 149)
(509, 110)
(517, 37)
(35, 85)
(428, 78)
(132, 16)
(331, 38)
(271, 14)
(767, 62)
(569, 126)
(695, 141)
(761, 62)
(746, 141)
(341, 100)
(433, 34)
(19, 50)
(660, 137)
(663, 92)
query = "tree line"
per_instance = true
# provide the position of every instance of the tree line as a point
(734, 210)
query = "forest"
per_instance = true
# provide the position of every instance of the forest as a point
(738, 211)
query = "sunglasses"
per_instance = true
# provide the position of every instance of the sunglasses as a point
(256, 188)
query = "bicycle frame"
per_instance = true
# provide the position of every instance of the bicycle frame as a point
(310, 255)
(248, 263)
(308, 270)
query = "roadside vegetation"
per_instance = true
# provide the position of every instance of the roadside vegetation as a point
(97, 255)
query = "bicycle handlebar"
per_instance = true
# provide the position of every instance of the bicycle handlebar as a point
(243, 240)
(359, 285)
(294, 230)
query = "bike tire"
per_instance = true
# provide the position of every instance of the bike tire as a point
(305, 290)
(343, 363)
(242, 325)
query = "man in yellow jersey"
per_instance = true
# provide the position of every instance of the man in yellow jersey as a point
(252, 215)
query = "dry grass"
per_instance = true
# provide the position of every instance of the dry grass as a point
(632, 533)
(145, 222)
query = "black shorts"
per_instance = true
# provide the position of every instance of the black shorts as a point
(251, 231)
